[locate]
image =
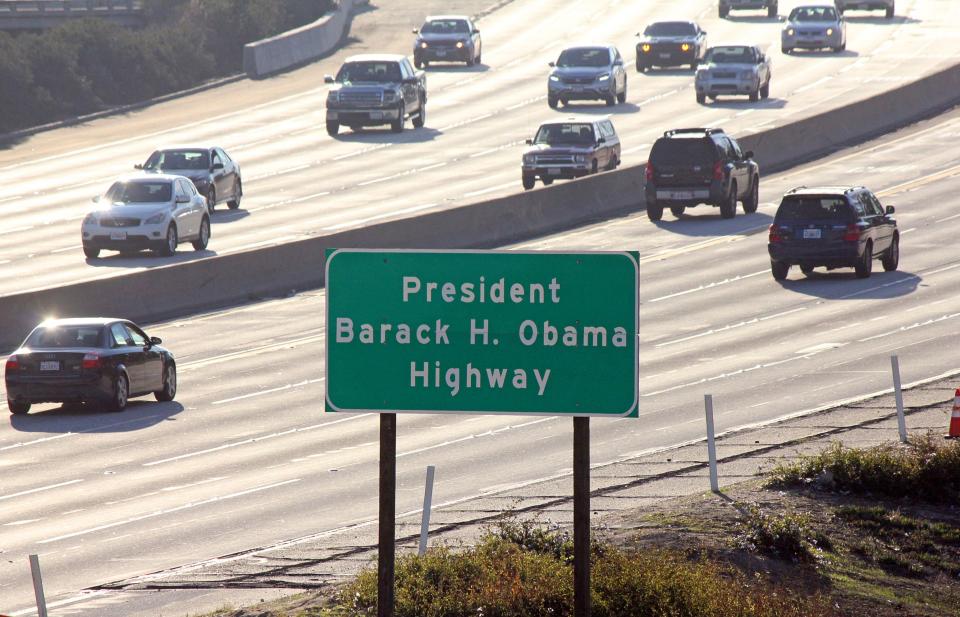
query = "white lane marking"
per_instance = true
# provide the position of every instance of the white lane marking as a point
(83, 597)
(466, 122)
(23, 522)
(359, 152)
(16, 229)
(499, 187)
(912, 326)
(906, 231)
(709, 286)
(67, 248)
(790, 312)
(6, 199)
(37, 490)
(378, 217)
(281, 172)
(634, 149)
(908, 279)
(187, 506)
(725, 375)
(285, 343)
(254, 245)
(289, 201)
(255, 440)
(815, 349)
(729, 327)
(477, 436)
(949, 218)
(95, 429)
(289, 386)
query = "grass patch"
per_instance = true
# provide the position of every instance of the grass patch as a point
(785, 535)
(927, 469)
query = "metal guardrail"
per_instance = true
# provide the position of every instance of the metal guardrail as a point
(38, 14)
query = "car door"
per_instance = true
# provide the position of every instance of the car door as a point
(124, 352)
(151, 367)
(613, 140)
(881, 224)
(475, 36)
(230, 172)
(741, 168)
(219, 174)
(408, 86)
(185, 212)
(619, 73)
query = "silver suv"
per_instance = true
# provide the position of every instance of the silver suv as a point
(733, 69)
(727, 5)
(587, 73)
(887, 6)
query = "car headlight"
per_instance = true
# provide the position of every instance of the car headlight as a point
(746, 75)
(685, 47)
(790, 32)
(554, 78)
(529, 159)
(604, 77)
(700, 75)
(90, 219)
(156, 219)
(459, 44)
(389, 96)
(829, 31)
(423, 44)
(646, 48)
(579, 158)
(333, 96)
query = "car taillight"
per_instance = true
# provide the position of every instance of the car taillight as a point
(90, 361)
(649, 172)
(775, 235)
(718, 171)
(852, 234)
(12, 364)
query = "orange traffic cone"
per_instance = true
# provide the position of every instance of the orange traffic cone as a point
(954, 430)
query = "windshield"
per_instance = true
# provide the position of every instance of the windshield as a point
(574, 134)
(671, 28)
(683, 152)
(813, 13)
(584, 56)
(735, 54)
(139, 192)
(813, 208)
(446, 26)
(178, 159)
(65, 336)
(384, 72)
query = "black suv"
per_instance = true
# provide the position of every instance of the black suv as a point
(835, 227)
(688, 167)
(671, 43)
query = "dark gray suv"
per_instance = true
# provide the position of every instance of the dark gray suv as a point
(570, 149)
(689, 167)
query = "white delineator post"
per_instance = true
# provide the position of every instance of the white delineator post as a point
(38, 586)
(711, 443)
(427, 505)
(898, 394)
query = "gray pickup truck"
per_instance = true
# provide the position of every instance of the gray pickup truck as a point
(375, 89)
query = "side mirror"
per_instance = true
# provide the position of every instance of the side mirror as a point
(601, 140)
(748, 154)
(138, 166)
(96, 199)
(637, 34)
(183, 199)
(216, 166)
(703, 32)
(551, 64)
(328, 79)
(155, 340)
(890, 210)
(475, 31)
(618, 62)
(529, 142)
(416, 30)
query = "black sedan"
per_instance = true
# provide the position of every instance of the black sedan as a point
(671, 43)
(88, 360)
(216, 175)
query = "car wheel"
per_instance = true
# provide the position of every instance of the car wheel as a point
(752, 199)
(694, 65)
(890, 12)
(728, 209)
(421, 117)
(170, 245)
(18, 408)
(785, 51)
(641, 67)
(891, 259)
(529, 181)
(594, 168)
(622, 97)
(397, 125)
(771, 11)
(610, 99)
(865, 266)
(612, 164)
(779, 270)
(724, 11)
(552, 101)
(755, 95)
(91, 252)
(677, 211)
(807, 270)
(333, 128)
(211, 198)
(234, 203)
(169, 389)
(417, 62)
(204, 236)
(701, 98)
(765, 90)
(121, 393)
(654, 211)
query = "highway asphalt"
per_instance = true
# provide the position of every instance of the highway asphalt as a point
(245, 457)
(298, 181)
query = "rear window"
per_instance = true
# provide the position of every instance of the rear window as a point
(814, 208)
(683, 151)
(64, 336)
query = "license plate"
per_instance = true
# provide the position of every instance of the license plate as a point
(376, 115)
(675, 194)
(664, 55)
(577, 88)
(811, 234)
(118, 235)
(441, 53)
(553, 171)
(50, 365)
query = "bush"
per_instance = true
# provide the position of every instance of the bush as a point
(88, 65)
(927, 468)
(786, 536)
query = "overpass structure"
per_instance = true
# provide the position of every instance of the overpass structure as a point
(43, 14)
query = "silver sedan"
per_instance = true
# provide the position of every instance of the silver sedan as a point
(815, 26)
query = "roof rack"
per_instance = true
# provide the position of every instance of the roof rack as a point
(705, 131)
(796, 188)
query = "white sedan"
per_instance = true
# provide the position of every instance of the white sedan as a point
(147, 211)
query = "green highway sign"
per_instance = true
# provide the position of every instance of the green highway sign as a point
(486, 332)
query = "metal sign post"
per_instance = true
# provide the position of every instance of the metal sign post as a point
(581, 517)
(388, 505)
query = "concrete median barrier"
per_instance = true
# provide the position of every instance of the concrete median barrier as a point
(219, 281)
(300, 45)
